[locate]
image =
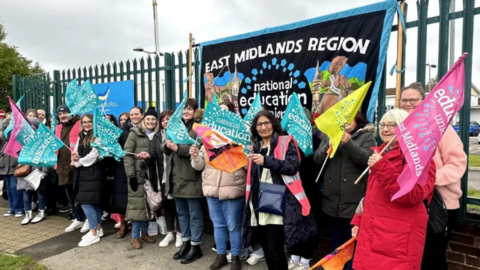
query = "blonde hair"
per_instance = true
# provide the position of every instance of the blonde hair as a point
(396, 116)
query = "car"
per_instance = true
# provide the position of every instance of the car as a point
(474, 128)
(478, 138)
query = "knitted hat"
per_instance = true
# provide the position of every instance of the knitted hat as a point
(152, 112)
(63, 109)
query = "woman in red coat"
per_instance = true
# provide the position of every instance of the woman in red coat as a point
(391, 235)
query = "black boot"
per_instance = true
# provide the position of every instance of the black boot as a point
(236, 264)
(194, 254)
(183, 251)
(219, 262)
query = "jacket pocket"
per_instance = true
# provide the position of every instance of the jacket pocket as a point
(350, 192)
(390, 237)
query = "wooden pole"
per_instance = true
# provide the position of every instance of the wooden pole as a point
(399, 56)
(190, 67)
(381, 153)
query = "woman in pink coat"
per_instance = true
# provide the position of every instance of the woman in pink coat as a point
(391, 234)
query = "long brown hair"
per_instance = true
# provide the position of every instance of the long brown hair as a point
(89, 137)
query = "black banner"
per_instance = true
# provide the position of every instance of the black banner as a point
(322, 60)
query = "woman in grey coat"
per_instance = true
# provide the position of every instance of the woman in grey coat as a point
(340, 194)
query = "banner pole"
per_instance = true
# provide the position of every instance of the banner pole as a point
(400, 49)
(368, 168)
(190, 55)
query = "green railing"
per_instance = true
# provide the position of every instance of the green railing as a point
(146, 74)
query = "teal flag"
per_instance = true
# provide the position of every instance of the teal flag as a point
(81, 100)
(10, 125)
(227, 123)
(255, 108)
(109, 150)
(54, 120)
(41, 150)
(25, 132)
(296, 123)
(108, 134)
(177, 132)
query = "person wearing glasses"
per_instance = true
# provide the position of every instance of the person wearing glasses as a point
(391, 234)
(88, 181)
(272, 161)
(451, 162)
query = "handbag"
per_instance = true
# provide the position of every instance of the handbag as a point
(271, 198)
(22, 170)
(437, 213)
(154, 199)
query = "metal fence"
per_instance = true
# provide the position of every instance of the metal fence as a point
(146, 72)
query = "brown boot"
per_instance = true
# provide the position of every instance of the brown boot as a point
(123, 228)
(147, 238)
(136, 244)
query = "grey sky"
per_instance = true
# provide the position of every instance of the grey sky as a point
(76, 33)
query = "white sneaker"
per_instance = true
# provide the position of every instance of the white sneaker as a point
(105, 215)
(291, 264)
(85, 227)
(178, 241)
(74, 226)
(89, 239)
(40, 216)
(254, 259)
(300, 266)
(100, 232)
(19, 214)
(167, 240)
(27, 218)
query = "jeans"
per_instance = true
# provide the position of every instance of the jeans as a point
(341, 233)
(190, 215)
(171, 216)
(94, 215)
(226, 216)
(15, 197)
(27, 200)
(77, 212)
(139, 227)
(272, 240)
(435, 251)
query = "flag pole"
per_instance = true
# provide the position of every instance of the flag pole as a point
(400, 49)
(368, 168)
(190, 55)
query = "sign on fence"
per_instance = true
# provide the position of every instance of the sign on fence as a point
(322, 60)
(115, 97)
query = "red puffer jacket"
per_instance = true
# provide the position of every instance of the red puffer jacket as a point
(392, 234)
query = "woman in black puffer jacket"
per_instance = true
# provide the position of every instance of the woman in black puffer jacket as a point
(88, 181)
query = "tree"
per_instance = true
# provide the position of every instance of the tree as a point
(12, 63)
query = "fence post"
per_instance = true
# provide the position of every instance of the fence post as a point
(422, 9)
(168, 83)
(467, 46)
(15, 95)
(57, 90)
(444, 25)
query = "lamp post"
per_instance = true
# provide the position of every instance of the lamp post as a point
(147, 52)
(430, 76)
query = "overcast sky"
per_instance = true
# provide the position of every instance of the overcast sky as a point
(63, 34)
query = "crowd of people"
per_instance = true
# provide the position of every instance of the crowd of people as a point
(390, 234)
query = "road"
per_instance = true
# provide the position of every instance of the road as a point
(474, 146)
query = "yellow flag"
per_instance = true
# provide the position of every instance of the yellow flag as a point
(334, 120)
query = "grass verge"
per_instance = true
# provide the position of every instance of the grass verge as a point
(476, 194)
(474, 161)
(19, 263)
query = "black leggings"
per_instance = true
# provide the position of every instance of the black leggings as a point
(435, 252)
(272, 240)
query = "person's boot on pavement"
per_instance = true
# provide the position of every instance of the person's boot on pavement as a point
(219, 262)
(194, 254)
(122, 231)
(236, 264)
(183, 251)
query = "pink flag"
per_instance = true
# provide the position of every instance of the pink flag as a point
(420, 133)
(21, 126)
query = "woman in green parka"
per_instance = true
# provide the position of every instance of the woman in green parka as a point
(136, 168)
